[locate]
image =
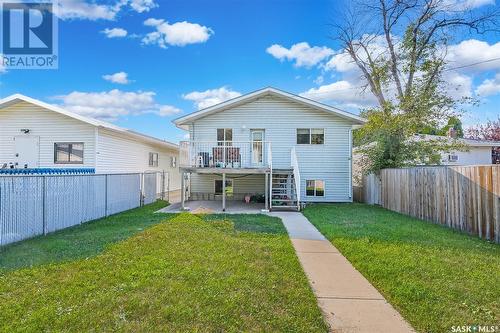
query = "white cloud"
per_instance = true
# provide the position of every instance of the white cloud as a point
(301, 53)
(167, 110)
(458, 85)
(114, 32)
(463, 5)
(89, 10)
(177, 34)
(489, 86)
(472, 51)
(204, 99)
(120, 78)
(109, 105)
(80, 9)
(342, 92)
(319, 80)
(341, 62)
(142, 6)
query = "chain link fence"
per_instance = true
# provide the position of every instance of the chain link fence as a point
(36, 205)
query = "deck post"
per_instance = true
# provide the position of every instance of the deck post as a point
(183, 190)
(266, 191)
(224, 192)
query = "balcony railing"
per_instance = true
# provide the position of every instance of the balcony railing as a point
(225, 154)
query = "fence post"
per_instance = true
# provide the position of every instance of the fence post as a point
(141, 197)
(168, 186)
(163, 185)
(106, 195)
(44, 214)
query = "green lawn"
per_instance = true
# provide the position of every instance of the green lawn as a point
(81, 241)
(186, 273)
(436, 277)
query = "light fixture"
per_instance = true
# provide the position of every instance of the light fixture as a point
(25, 130)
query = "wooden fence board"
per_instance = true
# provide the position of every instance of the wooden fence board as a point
(465, 198)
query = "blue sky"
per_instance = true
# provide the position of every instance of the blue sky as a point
(178, 56)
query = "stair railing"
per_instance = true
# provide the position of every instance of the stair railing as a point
(296, 175)
(270, 180)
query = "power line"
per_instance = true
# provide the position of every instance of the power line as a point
(473, 64)
(444, 70)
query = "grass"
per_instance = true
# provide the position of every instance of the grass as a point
(186, 274)
(436, 277)
(81, 241)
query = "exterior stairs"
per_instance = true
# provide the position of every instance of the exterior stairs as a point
(283, 191)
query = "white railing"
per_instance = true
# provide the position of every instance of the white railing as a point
(224, 154)
(270, 179)
(296, 174)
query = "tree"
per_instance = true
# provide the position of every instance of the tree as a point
(399, 47)
(489, 131)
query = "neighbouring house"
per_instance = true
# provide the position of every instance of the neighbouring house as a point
(268, 146)
(476, 152)
(36, 135)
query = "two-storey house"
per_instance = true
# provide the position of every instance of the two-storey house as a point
(268, 145)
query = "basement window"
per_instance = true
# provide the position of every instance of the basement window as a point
(315, 188)
(229, 186)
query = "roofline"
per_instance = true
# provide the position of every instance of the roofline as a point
(16, 98)
(182, 121)
(469, 142)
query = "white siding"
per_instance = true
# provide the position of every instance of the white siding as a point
(280, 119)
(117, 154)
(242, 184)
(475, 156)
(50, 127)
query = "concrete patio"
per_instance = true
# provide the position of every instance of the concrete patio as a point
(215, 207)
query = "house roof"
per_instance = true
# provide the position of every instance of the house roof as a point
(269, 91)
(16, 98)
(469, 142)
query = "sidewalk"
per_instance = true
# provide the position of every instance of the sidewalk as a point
(348, 301)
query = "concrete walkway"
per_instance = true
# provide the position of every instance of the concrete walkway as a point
(348, 301)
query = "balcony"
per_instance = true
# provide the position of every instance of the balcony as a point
(226, 156)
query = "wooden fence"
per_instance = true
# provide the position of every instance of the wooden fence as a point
(466, 198)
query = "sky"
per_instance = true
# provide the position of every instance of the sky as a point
(142, 63)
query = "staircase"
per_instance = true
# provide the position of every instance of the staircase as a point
(283, 191)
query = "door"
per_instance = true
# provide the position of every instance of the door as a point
(257, 147)
(27, 151)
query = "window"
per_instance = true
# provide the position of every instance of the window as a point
(314, 136)
(68, 152)
(229, 187)
(173, 161)
(303, 136)
(153, 159)
(315, 188)
(224, 134)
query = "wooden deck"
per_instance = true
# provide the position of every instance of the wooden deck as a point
(208, 170)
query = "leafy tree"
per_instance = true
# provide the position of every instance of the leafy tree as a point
(399, 47)
(489, 131)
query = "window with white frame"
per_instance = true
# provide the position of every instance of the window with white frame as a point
(68, 152)
(315, 188)
(310, 136)
(153, 159)
(173, 161)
